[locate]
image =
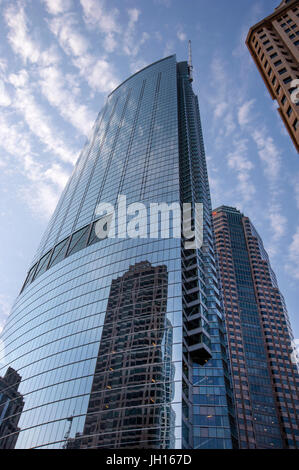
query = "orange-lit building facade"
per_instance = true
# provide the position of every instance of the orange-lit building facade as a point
(265, 375)
(274, 46)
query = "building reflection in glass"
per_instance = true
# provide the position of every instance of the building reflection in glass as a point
(130, 401)
(11, 407)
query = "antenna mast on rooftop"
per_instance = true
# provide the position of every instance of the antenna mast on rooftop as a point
(190, 66)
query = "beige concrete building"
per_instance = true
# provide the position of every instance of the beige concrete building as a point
(274, 46)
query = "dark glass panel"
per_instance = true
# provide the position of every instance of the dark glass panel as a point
(42, 265)
(78, 241)
(59, 252)
(29, 277)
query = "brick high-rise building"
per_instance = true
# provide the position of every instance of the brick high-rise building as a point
(265, 375)
(274, 46)
(11, 406)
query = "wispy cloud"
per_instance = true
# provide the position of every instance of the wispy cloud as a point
(97, 15)
(132, 44)
(222, 99)
(4, 95)
(98, 72)
(70, 39)
(54, 87)
(55, 7)
(239, 162)
(245, 113)
(20, 40)
(40, 125)
(181, 35)
(52, 82)
(43, 180)
(5, 306)
(268, 152)
(292, 265)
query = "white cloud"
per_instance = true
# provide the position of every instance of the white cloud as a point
(53, 83)
(239, 162)
(292, 265)
(72, 42)
(295, 183)
(181, 35)
(98, 73)
(13, 138)
(4, 95)
(220, 109)
(222, 100)
(19, 79)
(131, 45)
(20, 40)
(55, 7)
(54, 88)
(106, 21)
(39, 124)
(5, 306)
(96, 15)
(278, 222)
(44, 200)
(268, 153)
(137, 65)
(45, 183)
(244, 113)
(57, 175)
(169, 49)
(3, 65)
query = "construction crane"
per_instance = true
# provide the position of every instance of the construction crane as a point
(68, 432)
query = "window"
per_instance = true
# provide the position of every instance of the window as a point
(277, 63)
(59, 252)
(29, 276)
(281, 71)
(78, 241)
(42, 265)
(273, 55)
(287, 80)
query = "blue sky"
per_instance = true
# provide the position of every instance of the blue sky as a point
(58, 61)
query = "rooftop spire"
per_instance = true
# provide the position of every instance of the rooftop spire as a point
(190, 66)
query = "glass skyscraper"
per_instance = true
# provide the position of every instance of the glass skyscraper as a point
(264, 367)
(120, 342)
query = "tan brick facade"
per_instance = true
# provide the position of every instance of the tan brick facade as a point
(274, 46)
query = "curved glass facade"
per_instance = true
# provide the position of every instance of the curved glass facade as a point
(120, 342)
